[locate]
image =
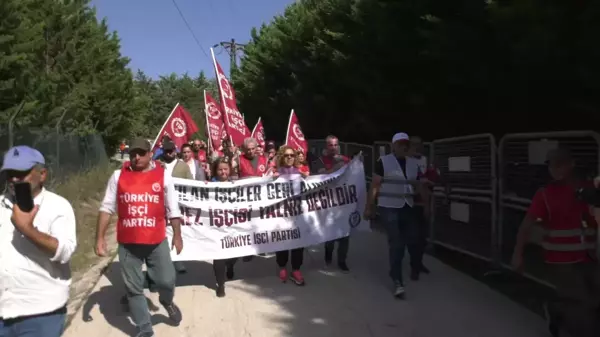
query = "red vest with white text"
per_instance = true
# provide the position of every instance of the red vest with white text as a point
(246, 169)
(141, 206)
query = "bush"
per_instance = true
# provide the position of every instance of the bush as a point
(84, 191)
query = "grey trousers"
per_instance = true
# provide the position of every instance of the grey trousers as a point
(160, 270)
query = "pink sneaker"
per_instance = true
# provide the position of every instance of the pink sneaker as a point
(283, 275)
(297, 278)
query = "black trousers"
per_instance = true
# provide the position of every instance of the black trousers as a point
(342, 251)
(282, 258)
(422, 232)
(220, 268)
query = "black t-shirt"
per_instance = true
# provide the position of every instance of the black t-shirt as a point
(379, 166)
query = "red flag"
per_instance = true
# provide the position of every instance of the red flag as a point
(179, 126)
(214, 122)
(258, 133)
(234, 121)
(295, 136)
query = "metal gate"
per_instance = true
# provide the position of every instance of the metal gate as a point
(352, 149)
(316, 146)
(522, 172)
(465, 202)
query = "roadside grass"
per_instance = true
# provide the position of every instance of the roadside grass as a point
(85, 191)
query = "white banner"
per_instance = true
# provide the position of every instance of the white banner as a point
(262, 215)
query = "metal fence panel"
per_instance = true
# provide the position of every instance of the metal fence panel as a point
(465, 206)
(316, 146)
(522, 173)
(352, 149)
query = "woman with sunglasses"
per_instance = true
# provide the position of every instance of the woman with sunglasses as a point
(221, 172)
(287, 164)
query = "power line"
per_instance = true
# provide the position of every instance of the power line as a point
(190, 29)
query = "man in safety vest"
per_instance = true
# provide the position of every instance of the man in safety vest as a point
(329, 162)
(143, 196)
(251, 164)
(568, 243)
(421, 206)
(395, 183)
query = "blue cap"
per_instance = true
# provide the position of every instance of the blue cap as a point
(22, 158)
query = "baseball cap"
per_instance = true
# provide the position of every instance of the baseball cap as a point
(560, 154)
(168, 146)
(22, 158)
(140, 144)
(400, 136)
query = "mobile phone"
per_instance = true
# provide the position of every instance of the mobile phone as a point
(23, 196)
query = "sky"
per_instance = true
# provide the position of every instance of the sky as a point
(156, 39)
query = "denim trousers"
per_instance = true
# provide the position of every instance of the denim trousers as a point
(402, 232)
(46, 325)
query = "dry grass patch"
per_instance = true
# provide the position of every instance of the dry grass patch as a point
(85, 191)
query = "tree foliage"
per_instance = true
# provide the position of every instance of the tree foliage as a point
(363, 69)
(58, 61)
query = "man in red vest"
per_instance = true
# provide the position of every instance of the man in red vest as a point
(568, 243)
(329, 162)
(143, 196)
(251, 164)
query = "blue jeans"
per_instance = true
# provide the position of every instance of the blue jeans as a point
(160, 271)
(402, 232)
(46, 325)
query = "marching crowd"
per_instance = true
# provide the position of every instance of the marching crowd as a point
(403, 211)
(38, 228)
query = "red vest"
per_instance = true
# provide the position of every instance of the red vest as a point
(329, 162)
(570, 228)
(202, 156)
(141, 206)
(246, 169)
(304, 168)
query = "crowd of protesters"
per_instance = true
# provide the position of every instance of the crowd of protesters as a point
(38, 225)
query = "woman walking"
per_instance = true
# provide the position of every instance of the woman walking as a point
(221, 172)
(287, 164)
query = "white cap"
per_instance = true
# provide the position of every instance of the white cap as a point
(399, 137)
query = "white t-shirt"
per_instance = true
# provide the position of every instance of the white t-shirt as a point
(192, 166)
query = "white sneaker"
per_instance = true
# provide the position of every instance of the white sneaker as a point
(399, 290)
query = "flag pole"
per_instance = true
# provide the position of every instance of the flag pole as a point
(287, 133)
(165, 124)
(207, 125)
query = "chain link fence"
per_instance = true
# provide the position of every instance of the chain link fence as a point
(65, 154)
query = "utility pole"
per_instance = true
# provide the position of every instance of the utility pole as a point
(232, 48)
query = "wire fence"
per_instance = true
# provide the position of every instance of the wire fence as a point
(65, 154)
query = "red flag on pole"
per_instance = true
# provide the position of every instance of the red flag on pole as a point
(234, 121)
(258, 133)
(295, 136)
(214, 122)
(179, 126)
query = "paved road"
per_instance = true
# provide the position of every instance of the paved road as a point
(445, 303)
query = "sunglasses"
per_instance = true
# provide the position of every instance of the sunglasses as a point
(288, 155)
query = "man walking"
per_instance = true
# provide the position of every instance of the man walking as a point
(141, 193)
(329, 162)
(395, 182)
(35, 249)
(421, 207)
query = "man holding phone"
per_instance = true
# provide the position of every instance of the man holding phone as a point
(35, 225)
(141, 193)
